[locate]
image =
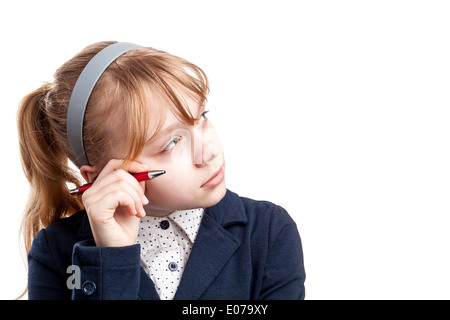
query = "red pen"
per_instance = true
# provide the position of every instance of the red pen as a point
(141, 176)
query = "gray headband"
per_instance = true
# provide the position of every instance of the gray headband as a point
(82, 91)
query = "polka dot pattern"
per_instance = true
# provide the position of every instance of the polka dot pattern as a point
(166, 243)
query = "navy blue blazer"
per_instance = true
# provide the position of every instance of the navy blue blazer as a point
(244, 250)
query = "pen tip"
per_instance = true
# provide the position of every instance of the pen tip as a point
(158, 173)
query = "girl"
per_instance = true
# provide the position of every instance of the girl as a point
(115, 109)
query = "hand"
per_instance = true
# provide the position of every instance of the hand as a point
(114, 204)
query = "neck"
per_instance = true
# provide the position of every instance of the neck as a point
(152, 212)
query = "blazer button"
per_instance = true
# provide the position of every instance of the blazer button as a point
(88, 287)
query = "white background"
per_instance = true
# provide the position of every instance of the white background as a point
(336, 110)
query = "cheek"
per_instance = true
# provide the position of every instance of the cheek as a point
(173, 188)
(214, 145)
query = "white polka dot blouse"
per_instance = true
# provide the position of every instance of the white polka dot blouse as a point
(166, 243)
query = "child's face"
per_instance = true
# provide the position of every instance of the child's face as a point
(191, 155)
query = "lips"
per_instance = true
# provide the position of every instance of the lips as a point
(215, 180)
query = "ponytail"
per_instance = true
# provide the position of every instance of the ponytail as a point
(45, 166)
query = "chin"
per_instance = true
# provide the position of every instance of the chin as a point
(212, 196)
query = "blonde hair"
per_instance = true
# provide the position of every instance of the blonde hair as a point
(126, 91)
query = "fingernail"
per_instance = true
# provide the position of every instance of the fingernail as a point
(145, 200)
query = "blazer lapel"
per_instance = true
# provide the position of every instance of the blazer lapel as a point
(147, 289)
(212, 249)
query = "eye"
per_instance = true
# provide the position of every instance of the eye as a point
(203, 116)
(172, 144)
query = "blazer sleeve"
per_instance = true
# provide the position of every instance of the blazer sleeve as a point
(107, 273)
(95, 272)
(284, 274)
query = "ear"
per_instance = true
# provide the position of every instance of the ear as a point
(89, 173)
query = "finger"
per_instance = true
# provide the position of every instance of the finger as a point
(130, 187)
(118, 171)
(117, 164)
(101, 212)
(110, 167)
(118, 175)
(125, 201)
(139, 187)
(121, 199)
(145, 200)
(134, 167)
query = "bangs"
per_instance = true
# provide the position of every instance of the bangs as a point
(137, 90)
